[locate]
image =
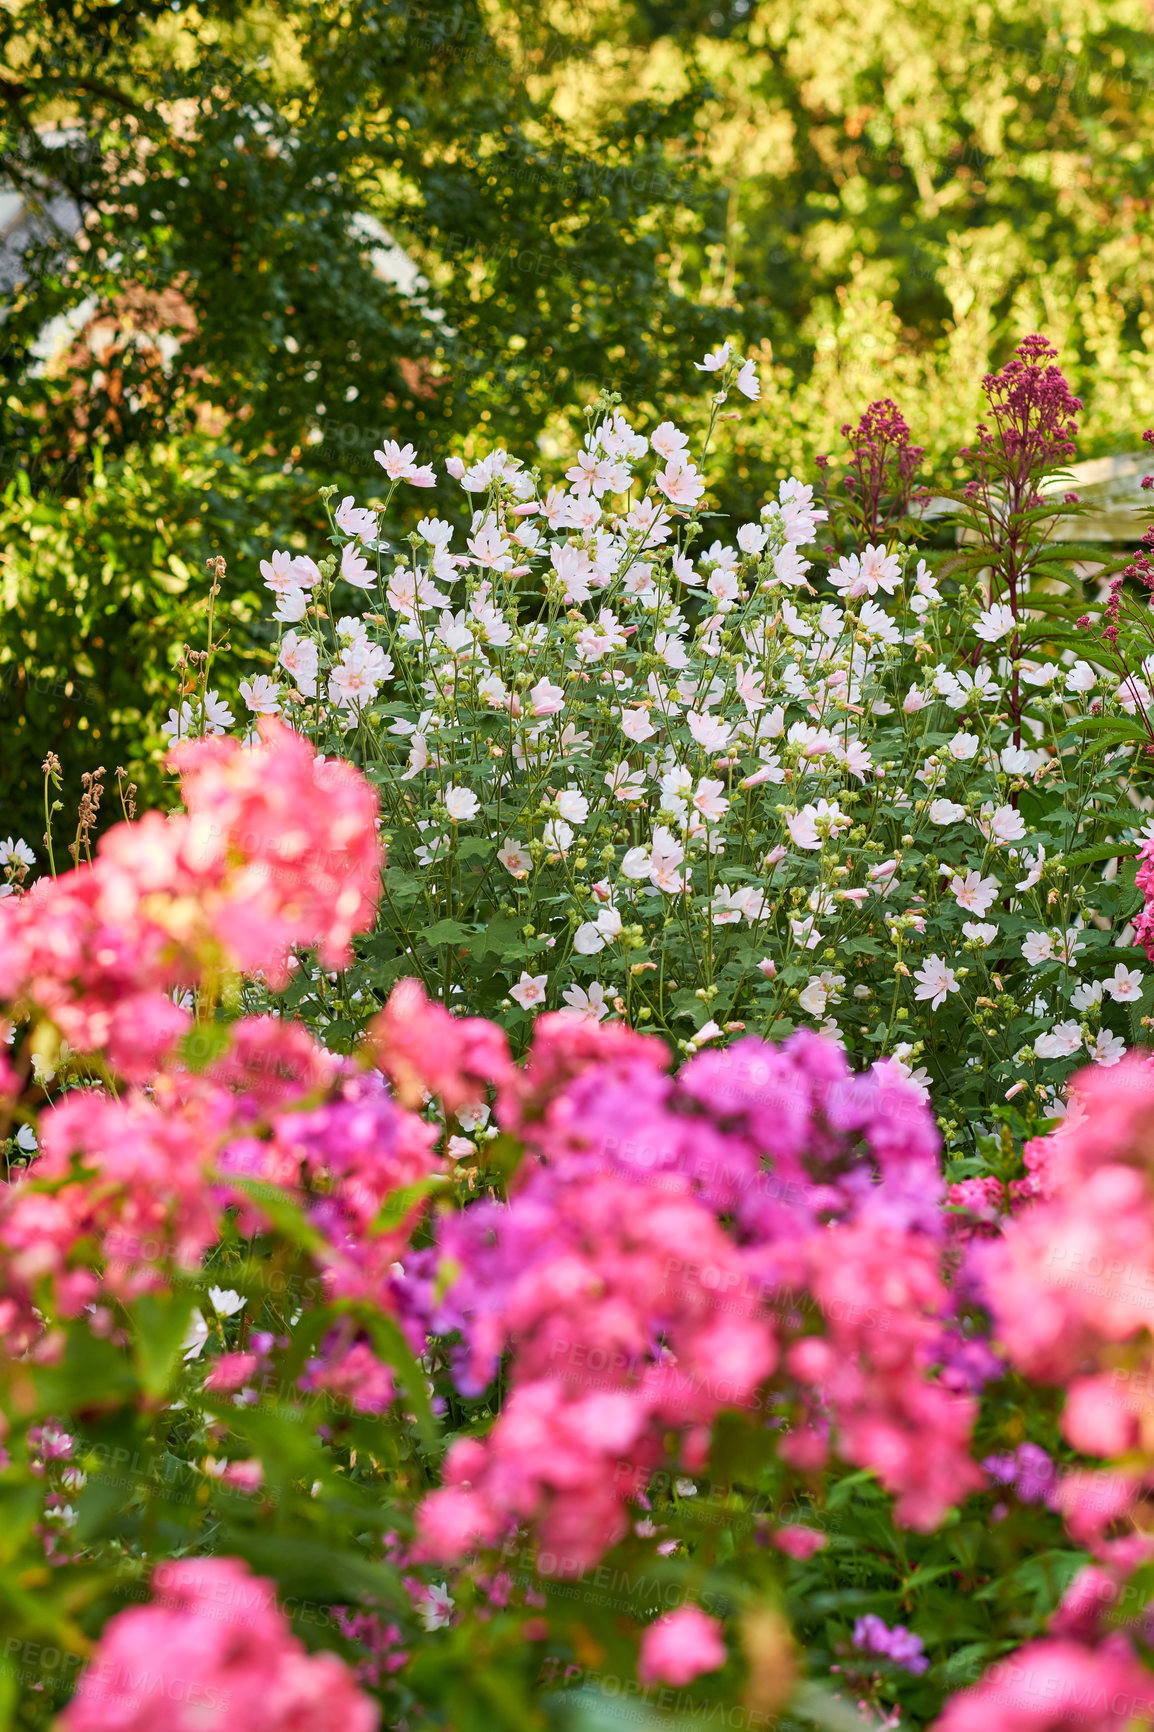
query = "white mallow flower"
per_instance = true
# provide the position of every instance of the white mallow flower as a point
(1001, 824)
(805, 931)
(946, 812)
(1087, 995)
(995, 622)
(1039, 673)
(1106, 1048)
(974, 893)
(1063, 1041)
(788, 565)
(1081, 677)
(866, 573)
(226, 1302)
(557, 835)
(964, 746)
(751, 538)
(1038, 948)
(1126, 985)
(493, 691)
(820, 990)
(747, 381)
(665, 857)
(588, 1004)
(291, 606)
(461, 803)
(1034, 864)
(593, 935)
(982, 931)
(875, 622)
(1067, 945)
(572, 805)
(436, 1608)
(515, 858)
(725, 907)
(914, 701)
(195, 1335)
(714, 361)
(261, 695)
(808, 827)
(934, 980)
(529, 991)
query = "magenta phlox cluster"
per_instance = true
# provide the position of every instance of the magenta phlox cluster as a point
(661, 1237)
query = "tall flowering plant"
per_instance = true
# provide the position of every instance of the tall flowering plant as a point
(708, 779)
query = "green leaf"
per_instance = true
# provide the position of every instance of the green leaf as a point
(204, 1043)
(1104, 851)
(284, 1213)
(445, 932)
(160, 1324)
(394, 1350)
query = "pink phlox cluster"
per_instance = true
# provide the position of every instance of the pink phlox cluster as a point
(1144, 881)
(294, 839)
(424, 1050)
(881, 1295)
(274, 851)
(1070, 1280)
(1057, 1685)
(348, 1371)
(211, 1652)
(130, 1180)
(681, 1646)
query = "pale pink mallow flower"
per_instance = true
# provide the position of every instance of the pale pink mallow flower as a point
(681, 1646)
(529, 991)
(261, 695)
(748, 382)
(934, 980)
(298, 657)
(636, 726)
(809, 827)
(399, 463)
(355, 568)
(974, 893)
(714, 361)
(710, 732)
(1001, 824)
(515, 858)
(546, 699)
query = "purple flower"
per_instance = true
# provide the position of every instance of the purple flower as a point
(873, 1636)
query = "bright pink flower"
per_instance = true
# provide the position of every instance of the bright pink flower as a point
(211, 1652)
(681, 1646)
(424, 1049)
(1057, 1686)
